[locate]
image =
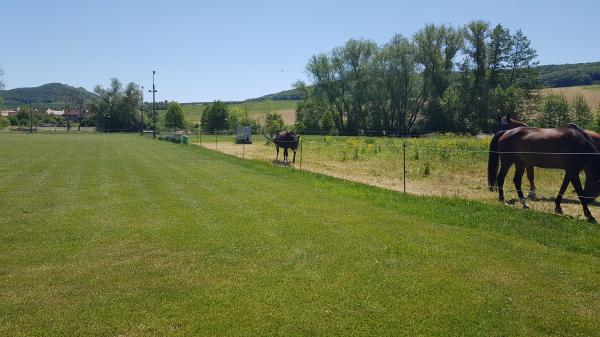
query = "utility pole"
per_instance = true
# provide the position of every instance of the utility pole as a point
(153, 91)
(30, 117)
(142, 114)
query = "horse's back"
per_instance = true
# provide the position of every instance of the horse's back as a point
(547, 148)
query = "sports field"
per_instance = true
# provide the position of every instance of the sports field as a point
(120, 235)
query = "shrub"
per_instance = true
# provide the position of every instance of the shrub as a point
(4, 122)
(555, 111)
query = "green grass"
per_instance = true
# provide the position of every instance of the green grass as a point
(194, 111)
(117, 235)
(591, 87)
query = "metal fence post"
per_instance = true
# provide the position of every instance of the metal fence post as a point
(404, 164)
(300, 155)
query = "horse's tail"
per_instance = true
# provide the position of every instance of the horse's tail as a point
(493, 159)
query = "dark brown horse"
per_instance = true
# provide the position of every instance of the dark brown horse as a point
(286, 140)
(569, 148)
(507, 123)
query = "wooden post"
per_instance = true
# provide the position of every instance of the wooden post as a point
(300, 155)
(404, 164)
(216, 141)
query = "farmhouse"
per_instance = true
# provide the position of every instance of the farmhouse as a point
(73, 114)
(8, 113)
(55, 112)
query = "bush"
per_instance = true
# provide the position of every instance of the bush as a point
(582, 114)
(274, 123)
(555, 111)
(4, 122)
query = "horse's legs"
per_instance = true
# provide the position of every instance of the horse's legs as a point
(518, 179)
(294, 159)
(277, 158)
(562, 190)
(530, 177)
(504, 166)
(285, 154)
(577, 185)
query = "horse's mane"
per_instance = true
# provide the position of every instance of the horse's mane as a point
(586, 137)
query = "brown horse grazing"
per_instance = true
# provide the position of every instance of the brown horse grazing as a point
(507, 123)
(569, 148)
(286, 140)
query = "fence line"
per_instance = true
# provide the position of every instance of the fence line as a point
(541, 194)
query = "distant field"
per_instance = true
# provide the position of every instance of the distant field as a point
(256, 110)
(119, 235)
(591, 94)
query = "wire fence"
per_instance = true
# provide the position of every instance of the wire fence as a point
(415, 166)
(438, 165)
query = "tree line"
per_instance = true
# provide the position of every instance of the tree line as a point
(442, 78)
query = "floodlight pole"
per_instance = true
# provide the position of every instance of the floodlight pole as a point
(30, 117)
(142, 114)
(153, 91)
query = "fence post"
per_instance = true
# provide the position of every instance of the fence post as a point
(301, 155)
(404, 164)
(216, 141)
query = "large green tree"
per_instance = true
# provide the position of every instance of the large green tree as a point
(398, 78)
(175, 118)
(437, 47)
(418, 81)
(215, 117)
(121, 104)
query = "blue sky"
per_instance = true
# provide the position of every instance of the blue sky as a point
(233, 50)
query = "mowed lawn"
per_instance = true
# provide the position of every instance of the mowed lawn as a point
(120, 235)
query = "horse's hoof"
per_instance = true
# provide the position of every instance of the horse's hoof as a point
(505, 203)
(525, 206)
(558, 211)
(532, 195)
(592, 220)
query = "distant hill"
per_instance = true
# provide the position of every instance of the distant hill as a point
(568, 75)
(47, 94)
(287, 95)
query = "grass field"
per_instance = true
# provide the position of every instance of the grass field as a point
(453, 166)
(119, 235)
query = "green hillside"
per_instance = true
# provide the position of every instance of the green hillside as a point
(568, 75)
(49, 94)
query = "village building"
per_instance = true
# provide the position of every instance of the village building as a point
(8, 113)
(55, 112)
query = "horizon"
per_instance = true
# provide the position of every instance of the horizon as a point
(258, 49)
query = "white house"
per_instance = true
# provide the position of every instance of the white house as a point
(55, 112)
